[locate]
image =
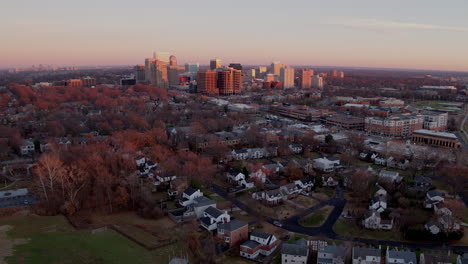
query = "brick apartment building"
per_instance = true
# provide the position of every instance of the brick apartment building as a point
(233, 232)
(435, 121)
(441, 139)
(345, 121)
(402, 125)
(300, 112)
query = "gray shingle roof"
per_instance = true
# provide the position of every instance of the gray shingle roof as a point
(334, 250)
(407, 255)
(250, 244)
(260, 234)
(214, 212)
(190, 191)
(232, 225)
(363, 252)
(296, 250)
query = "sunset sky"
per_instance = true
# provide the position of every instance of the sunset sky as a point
(422, 34)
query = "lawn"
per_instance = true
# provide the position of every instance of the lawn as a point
(350, 228)
(316, 218)
(305, 201)
(53, 240)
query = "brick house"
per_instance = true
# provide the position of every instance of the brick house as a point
(233, 232)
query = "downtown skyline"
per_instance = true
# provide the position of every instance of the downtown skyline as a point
(418, 35)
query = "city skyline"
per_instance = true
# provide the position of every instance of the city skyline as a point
(418, 35)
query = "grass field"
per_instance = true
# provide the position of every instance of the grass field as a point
(316, 218)
(52, 240)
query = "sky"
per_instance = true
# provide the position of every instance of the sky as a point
(414, 34)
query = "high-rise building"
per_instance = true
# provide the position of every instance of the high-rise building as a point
(276, 68)
(305, 78)
(317, 82)
(248, 75)
(192, 67)
(229, 81)
(261, 72)
(333, 73)
(236, 66)
(88, 81)
(173, 75)
(215, 63)
(172, 60)
(140, 73)
(206, 82)
(162, 56)
(148, 63)
(270, 77)
(159, 74)
(287, 77)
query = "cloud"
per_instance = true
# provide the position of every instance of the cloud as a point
(374, 24)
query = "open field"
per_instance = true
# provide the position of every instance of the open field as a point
(280, 211)
(53, 240)
(436, 104)
(316, 218)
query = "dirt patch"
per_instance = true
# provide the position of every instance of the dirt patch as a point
(7, 244)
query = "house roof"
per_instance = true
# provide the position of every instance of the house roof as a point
(232, 225)
(189, 191)
(250, 244)
(296, 250)
(407, 255)
(434, 193)
(214, 212)
(436, 258)
(363, 252)
(205, 220)
(202, 201)
(386, 173)
(260, 234)
(335, 250)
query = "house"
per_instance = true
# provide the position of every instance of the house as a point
(329, 180)
(27, 147)
(305, 184)
(366, 255)
(390, 176)
(422, 182)
(295, 148)
(448, 223)
(189, 195)
(379, 202)
(374, 221)
(260, 243)
(400, 256)
(233, 232)
(200, 204)
(297, 252)
(164, 178)
(239, 179)
(271, 197)
(399, 164)
(147, 168)
(326, 164)
(274, 168)
(331, 254)
(380, 191)
(380, 161)
(289, 190)
(433, 198)
(212, 216)
(462, 259)
(240, 154)
(431, 227)
(434, 258)
(177, 186)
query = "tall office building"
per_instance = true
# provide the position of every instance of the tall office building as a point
(236, 66)
(287, 77)
(148, 63)
(159, 74)
(229, 81)
(261, 72)
(173, 75)
(206, 82)
(192, 67)
(214, 64)
(275, 68)
(317, 82)
(172, 60)
(162, 56)
(270, 77)
(140, 73)
(305, 78)
(248, 75)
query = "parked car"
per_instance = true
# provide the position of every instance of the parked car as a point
(277, 223)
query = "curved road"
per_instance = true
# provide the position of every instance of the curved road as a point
(326, 229)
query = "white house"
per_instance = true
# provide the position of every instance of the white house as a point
(259, 243)
(433, 198)
(297, 252)
(329, 180)
(331, 254)
(326, 164)
(378, 203)
(212, 217)
(400, 256)
(189, 195)
(365, 255)
(391, 176)
(240, 179)
(27, 146)
(374, 221)
(305, 184)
